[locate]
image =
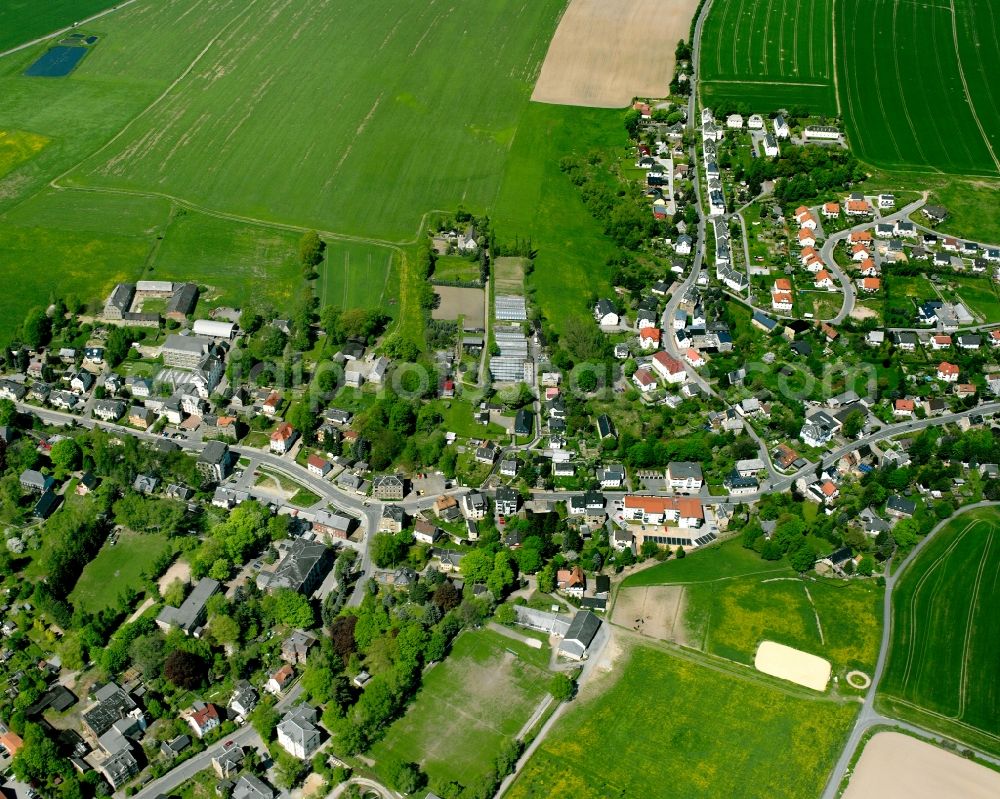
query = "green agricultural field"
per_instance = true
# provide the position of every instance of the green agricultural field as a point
(707, 565)
(924, 96)
(539, 202)
(24, 20)
(468, 708)
(701, 728)
(372, 136)
(116, 568)
(767, 55)
(508, 275)
(944, 651)
(359, 276)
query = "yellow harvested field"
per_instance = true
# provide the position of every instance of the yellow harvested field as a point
(896, 766)
(605, 52)
(793, 665)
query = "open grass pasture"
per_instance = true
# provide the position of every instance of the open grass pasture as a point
(537, 201)
(769, 54)
(943, 670)
(116, 568)
(979, 295)
(468, 708)
(385, 112)
(730, 600)
(925, 94)
(17, 146)
(662, 719)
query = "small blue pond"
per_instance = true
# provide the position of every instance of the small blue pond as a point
(57, 62)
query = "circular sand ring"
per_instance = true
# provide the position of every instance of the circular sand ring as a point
(858, 679)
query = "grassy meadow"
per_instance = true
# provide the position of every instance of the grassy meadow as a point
(661, 719)
(769, 55)
(926, 98)
(359, 275)
(539, 202)
(468, 708)
(944, 653)
(116, 568)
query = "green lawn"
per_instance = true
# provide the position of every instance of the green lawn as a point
(457, 414)
(666, 725)
(980, 296)
(714, 563)
(944, 653)
(538, 202)
(116, 568)
(468, 708)
(456, 267)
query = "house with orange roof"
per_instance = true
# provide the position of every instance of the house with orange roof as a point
(682, 511)
(781, 301)
(649, 338)
(859, 208)
(805, 218)
(807, 253)
(940, 342)
(283, 437)
(860, 237)
(860, 253)
(823, 280)
(831, 210)
(871, 284)
(995, 338)
(782, 284)
(806, 237)
(280, 680)
(947, 372)
(695, 358)
(270, 405)
(903, 408)
(965, 389)
(869, 268)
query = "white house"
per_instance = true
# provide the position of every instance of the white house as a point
(668, 368)
(685, 476)
(734, 122)
(649, 338)
(605, 313)
(755, 122)
(298, 734)
(644, 380)
(781, 129)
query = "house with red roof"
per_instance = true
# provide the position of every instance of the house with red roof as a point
(947, 372)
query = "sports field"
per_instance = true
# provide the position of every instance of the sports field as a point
(468, 708)
(769, 54)
(726, 600)
(344, 116)
(944, 658)
(924, 95)
(663, 724)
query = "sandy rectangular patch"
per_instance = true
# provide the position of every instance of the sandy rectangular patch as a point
(656, 611)
(896, 766)
(464, 302)
(793, 665)
(605, 52)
